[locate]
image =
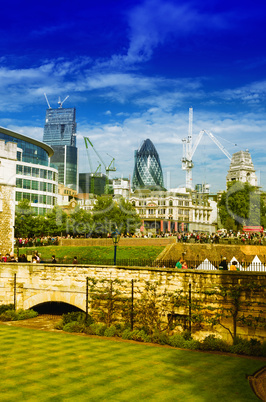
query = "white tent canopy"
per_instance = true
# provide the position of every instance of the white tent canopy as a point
(206, 265)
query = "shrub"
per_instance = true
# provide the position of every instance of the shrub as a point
(5, 307)
(26, 314)
(253, 347)
(98, 329)
(177, 341)
(140, 336)
(186, 335)
(160, 337)
(12, 315)
(59, 325)
(111, 331)
(8, 315)
(212, 343)
(74, 326)
(126, 334)
(78, 316)
(191, 344)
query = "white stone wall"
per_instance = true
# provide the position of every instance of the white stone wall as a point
(8, 156)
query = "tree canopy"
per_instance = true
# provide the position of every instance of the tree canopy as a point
(106, 216)
(241, 205)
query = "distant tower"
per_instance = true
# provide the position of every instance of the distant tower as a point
(60, 133)
(242, 169)
(147, 171)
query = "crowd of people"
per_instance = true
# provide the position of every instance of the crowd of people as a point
(242, 238)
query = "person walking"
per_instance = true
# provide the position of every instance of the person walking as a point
(54, 260)
(223, 265)
(179, 263)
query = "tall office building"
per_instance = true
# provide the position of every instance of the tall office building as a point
(60, 133)
(147, 171)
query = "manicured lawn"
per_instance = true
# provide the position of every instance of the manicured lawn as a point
(94, 253)
(54, 366)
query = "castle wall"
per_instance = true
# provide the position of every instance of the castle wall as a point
(39, 283)
(8, 156)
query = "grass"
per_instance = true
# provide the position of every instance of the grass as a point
(94, 253)
(45, 366)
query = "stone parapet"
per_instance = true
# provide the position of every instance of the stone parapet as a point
(40, 283)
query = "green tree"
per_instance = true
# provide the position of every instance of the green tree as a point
(242, 204)
(24, 219)
(109, 215)
(56, 221)
(79, 221)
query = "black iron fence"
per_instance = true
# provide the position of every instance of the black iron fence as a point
(206, 265)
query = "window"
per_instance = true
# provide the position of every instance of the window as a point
(43, 174)
(19, 169)
(43, 186)
(35, 185)
(34, 198)
(26, 184)
(35, 172)
(26, 196)
(49, 187)
(19, 183)
(27, 170)
(42, 199)
(50, 175)
(18, 196)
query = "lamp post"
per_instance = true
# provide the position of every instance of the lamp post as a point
(116, 238)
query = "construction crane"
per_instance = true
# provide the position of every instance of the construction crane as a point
(59, 101)
(47, 101)
(109, 168)
(188, 150)
(187, 164)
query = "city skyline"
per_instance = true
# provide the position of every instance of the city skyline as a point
(132, 70)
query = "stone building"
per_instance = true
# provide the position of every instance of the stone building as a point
(242, 169)
(179, 210)
(8, 158)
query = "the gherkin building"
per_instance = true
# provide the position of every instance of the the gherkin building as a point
(147, 170)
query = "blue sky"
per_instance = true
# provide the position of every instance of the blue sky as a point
(132, 69)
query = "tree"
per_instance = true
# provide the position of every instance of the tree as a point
(109, 215)
(56, 221)
(242, 204)
(79, 221)
(24, 220)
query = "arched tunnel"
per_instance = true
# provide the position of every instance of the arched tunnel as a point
(54, 308)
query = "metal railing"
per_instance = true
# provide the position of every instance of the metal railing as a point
(206, 265)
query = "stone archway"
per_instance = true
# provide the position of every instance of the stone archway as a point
(77, 300)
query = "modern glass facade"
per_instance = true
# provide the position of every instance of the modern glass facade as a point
(35, 179)
(32, 152)
(65, 159)
(60, 133)
(147, 171)
(60, 127)
(89, 183)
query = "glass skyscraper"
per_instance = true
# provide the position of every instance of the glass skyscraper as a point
(60, 133)
(147, 171)
(60, 127)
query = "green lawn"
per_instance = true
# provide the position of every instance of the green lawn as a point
(54, 366)
(94, 253)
